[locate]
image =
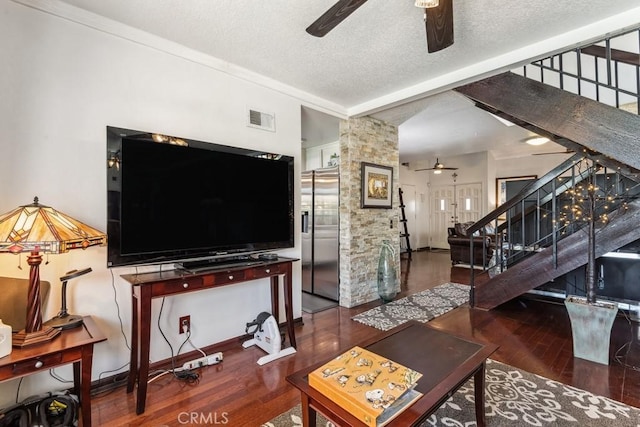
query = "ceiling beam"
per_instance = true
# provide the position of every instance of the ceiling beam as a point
(570, 120)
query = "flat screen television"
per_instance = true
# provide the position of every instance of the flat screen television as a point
(177, 200)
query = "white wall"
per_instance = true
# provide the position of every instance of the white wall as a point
(319, 156)
(62, 84)
(530, 165)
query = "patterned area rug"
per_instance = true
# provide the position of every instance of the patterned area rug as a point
(514, 397)
(422, 307)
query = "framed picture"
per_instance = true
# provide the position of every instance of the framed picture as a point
(510, 186)
(377, 186)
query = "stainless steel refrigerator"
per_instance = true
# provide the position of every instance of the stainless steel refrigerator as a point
(320, 232)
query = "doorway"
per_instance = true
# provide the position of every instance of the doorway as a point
(451, 204)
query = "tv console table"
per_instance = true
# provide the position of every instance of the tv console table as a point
(146, 286)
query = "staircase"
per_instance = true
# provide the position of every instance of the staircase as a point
(543, 236)
(541, 240)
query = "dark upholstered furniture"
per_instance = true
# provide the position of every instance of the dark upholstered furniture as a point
(460, 246)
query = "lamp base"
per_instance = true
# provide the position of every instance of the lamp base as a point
(24, 338)
(64, 322)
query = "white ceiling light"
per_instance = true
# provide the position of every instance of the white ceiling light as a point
(427, 3)
(503, 121)
(536, 140)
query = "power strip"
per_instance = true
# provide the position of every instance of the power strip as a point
(213, 359)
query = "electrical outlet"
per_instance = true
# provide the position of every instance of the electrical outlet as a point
(185, 321)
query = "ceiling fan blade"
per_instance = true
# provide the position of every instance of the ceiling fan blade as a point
(439, 25)
(553, 152)
(332, 17)
(439, 169)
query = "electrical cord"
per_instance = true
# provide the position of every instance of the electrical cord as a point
(621, 359)
(124, 336)
(18, 389)
(52, 373)
(187, 331)
(179, 372)
(184, 375)
(115, 299)
(116, 370)
(161, 374)
(194, 347)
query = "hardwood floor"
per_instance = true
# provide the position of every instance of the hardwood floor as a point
(533, 335)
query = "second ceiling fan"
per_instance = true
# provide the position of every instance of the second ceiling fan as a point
(437, 168)
(438, 16)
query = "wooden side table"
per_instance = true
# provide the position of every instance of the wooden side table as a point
(71, 346)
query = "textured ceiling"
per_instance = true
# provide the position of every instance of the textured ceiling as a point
(377, 57)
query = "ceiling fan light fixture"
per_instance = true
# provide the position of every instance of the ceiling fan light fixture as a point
(424, 4)
(437, 168)
(537, 140)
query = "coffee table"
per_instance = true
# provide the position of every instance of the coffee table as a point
(446, 361)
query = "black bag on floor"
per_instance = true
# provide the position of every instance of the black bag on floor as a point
(53, 409)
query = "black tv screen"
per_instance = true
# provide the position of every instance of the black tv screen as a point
(173, 199)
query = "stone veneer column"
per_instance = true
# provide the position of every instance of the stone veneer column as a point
(363, 230)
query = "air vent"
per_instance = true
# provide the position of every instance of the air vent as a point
(261, 120)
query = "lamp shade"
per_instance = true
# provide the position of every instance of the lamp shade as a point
(44, 229)
(36, 228)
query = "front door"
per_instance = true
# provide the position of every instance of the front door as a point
(442, 214)
(469, 202)
(451, 204)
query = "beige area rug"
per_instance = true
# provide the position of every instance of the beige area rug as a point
(422, 306)
(514, 397)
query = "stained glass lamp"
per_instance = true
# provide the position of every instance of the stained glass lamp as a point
(39, 229)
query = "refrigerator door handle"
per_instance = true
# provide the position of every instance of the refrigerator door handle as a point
(305, 221)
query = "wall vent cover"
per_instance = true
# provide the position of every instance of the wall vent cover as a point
(261, 120)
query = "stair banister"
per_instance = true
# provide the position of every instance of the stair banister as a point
(526, 191)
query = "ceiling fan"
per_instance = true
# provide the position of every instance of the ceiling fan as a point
(438, 17)
(567, 151)
(437, 168)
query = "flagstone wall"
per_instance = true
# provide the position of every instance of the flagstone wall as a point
(363, 230)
